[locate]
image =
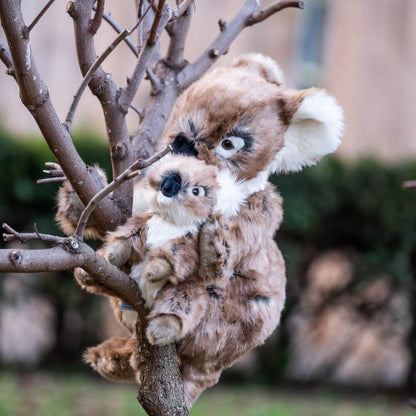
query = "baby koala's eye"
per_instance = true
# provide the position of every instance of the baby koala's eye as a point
(198, 191)
(229, 146)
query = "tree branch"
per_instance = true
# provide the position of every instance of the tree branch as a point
(25, 237)
(247, 16)
(35, 96)
(95, 23)
(133, 83)
(160, 389)
(129, 173)
(105, 89)
(39, 16)
(118, 29)
(261, 15)
(178, 33)
(6, 59)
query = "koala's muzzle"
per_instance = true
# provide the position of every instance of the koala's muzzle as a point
(181, 145)
(171, 185)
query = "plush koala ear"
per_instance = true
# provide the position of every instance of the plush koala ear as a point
(260, 65)
(316, 125)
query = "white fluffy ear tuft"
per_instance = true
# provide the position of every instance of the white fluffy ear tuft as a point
(315, 130)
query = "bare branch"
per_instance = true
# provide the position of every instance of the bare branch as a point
(261, 15)
(154, 80)
(51, 180)
(25, 237)
(6, 58)
(95, 23)
(106, 90)
(178, 33)
(35, 96)
(138, 112)
(70, 116)
(182, 8)
(247, 16)
(129, 173)
(133, 83)
(118, 29)
(154, 31)
(121, 36)
(38, 17)
(409, 184)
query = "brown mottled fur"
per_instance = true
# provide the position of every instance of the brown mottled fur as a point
(240, 300)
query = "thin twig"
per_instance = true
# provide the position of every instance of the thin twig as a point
(129, 173)
(154, 80)
(13, 235)
(261, 15)
(50, 180)
(129, 92)
(409, 184)
(178, 32)
(155, 27)
(118, 29)
(93, 68)
(136, 110)
(38, 17)
(95, 23)
(182, 8)
(6, 57)
(248, 15)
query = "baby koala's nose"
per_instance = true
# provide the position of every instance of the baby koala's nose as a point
(171, 185)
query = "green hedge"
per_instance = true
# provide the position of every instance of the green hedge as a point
(359, 207)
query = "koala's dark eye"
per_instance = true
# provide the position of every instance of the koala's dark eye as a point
(227, 144)
(198, 191)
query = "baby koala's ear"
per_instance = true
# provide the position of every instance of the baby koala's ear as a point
(315, 127)
(260, 65)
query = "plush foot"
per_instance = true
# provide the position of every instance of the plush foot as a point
(90, 284)
(155, 276)
(113, 359)
(157, 270)
(163, 330)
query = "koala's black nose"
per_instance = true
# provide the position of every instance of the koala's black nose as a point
(181, 145)
(171, 185)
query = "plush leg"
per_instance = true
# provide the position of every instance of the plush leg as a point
(195, 382)
(113, 359)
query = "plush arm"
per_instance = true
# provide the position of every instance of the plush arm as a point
(70, 207)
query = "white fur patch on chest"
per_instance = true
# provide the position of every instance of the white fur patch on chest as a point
(233, 193)
(160, 231)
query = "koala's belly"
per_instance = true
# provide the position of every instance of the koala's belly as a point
(238, 318)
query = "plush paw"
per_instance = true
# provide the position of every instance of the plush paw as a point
(163, 330)
(156, 270)
(112, 359)
(89, 283)
(149, 290)
(84, 279)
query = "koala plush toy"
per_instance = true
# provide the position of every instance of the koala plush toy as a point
(243, 121)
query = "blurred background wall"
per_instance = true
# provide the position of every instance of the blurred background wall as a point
(349, 234)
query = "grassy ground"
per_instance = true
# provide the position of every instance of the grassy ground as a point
(44, 395)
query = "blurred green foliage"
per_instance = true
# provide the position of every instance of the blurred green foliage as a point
(22, 201)
(358, 207)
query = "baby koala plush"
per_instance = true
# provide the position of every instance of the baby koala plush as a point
(160, 246)
(242, 120)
